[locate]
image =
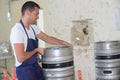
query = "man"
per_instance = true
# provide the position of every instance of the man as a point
(24, 39)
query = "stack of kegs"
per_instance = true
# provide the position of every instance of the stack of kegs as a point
(107, 60)
(58, 63)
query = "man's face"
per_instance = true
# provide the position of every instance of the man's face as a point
(34, 15)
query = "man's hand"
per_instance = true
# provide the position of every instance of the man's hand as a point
(40, 50)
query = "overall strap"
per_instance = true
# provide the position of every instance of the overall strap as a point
(24, 28)
(34, 32)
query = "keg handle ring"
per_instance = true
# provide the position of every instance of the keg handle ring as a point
(107, 72)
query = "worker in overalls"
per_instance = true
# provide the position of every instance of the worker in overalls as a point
(24, 39)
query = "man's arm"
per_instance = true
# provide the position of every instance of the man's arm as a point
(52, 40)
(22, 55)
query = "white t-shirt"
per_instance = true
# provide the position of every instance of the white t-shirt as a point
(18, 35)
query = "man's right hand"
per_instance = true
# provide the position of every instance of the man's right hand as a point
(40, 50)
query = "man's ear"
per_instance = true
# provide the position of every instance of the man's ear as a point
(27, 13)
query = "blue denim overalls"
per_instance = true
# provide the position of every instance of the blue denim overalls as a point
(29, 69)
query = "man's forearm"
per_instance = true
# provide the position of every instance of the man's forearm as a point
(53, 40)
(25, 56)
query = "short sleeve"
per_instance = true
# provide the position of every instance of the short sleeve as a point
(17, 36)
(37, 29)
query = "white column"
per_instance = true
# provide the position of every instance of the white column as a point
(40, 23)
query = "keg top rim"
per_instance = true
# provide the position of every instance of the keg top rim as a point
(58, 47)
(107, 42)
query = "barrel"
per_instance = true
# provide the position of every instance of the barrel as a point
(107, 60)
(58, 63)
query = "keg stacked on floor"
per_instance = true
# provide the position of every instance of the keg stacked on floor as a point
(107, 60)
(58, 63)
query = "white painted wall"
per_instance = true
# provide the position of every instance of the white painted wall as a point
(40, 24)
(60, 13)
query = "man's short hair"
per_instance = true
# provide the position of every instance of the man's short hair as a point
(30, 5)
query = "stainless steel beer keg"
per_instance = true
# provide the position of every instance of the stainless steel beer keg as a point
(58, 63)
(107, 60)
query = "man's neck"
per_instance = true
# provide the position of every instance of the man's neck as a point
(26, 24)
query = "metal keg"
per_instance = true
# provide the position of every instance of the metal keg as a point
(107, 54)
(107, 60)
(58, 63)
